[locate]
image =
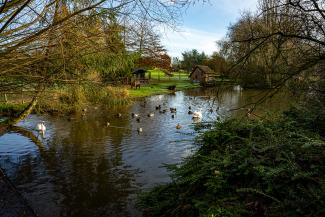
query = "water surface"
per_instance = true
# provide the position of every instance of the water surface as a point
(83, 168)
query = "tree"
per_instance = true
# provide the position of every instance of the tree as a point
(176, 64)
(217, 63)
(285, 42)
(162, 61)
(192, 58)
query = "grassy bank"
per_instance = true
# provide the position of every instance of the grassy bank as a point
(159, 75)
(69, 99)
(8, 109)
(249, 168)
(161, 87)
(74, 98)
(160, 81)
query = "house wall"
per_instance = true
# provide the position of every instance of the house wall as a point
(197, 75)
(201, 76)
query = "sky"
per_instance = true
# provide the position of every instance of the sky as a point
(203, 24)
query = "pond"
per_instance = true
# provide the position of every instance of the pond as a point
(82, 167)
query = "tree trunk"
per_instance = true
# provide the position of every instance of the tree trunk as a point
(14, 120)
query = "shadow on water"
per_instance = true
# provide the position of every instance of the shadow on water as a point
(82, 167)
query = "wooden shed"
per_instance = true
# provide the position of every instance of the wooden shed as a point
(203, 74)
(139, 73)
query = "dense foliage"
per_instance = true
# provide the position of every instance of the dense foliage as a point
(283, 40)
(192, 58)
(250, 168)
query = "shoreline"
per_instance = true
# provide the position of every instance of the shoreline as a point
(12, 108)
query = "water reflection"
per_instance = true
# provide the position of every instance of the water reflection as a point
(82, 167)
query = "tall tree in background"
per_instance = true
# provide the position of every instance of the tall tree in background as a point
(111, 59)
(217, 63)
(285, 42)
(144, 39)
(192, 58)
(176, 64)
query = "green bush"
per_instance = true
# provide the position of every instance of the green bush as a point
(247, 168)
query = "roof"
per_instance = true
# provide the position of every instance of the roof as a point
(205, 69)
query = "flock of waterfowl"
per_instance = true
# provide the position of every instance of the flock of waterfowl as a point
(196, 115)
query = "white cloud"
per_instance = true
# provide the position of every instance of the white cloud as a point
(188, 39)
(199, 36)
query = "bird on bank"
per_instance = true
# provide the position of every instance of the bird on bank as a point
(178, 126)
(119, 115)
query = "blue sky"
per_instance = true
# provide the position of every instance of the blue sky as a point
(204, 24)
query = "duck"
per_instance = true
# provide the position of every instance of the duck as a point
(41, 126)
(211, 110)
(134, 115)
(173, 116)
(178, 126)
(189, 108)
(139, 130)
(172, 110)
(197, 114)
(158, 107)
(190, 112)
(138, 119)
(151, 114)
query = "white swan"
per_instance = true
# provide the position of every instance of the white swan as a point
(237, 88)
(41, 126)
(197, 114)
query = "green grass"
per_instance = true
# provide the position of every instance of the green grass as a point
(159, 83)
(11, 108)
(160, 87)
(157, 74)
